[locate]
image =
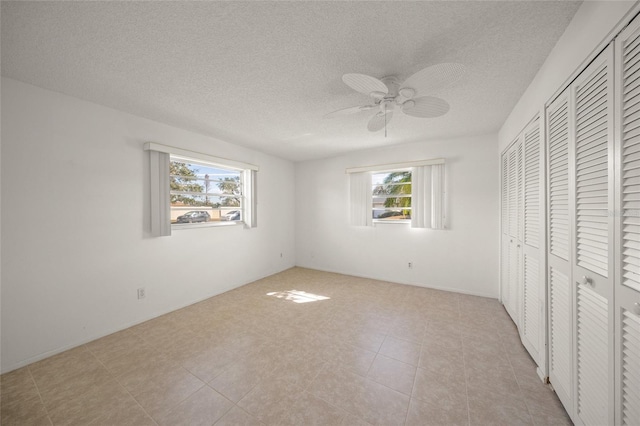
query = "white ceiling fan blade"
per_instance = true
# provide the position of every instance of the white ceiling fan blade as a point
(349, 111)
(364, 83)
(434, 78)
(426, 107)
(377, 122)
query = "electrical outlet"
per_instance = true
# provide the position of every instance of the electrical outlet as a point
(410, 265)
(141, 293)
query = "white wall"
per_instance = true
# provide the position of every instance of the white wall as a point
(593, 23)
(68, 278)
(463, 258)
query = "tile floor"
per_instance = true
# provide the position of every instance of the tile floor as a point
(371, 353)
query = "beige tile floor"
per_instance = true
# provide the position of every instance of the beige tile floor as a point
(372, 353)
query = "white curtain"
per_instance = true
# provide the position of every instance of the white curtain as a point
(159, 186)
(360, 200)
(250, 180)
(421, 197)
(437, 197)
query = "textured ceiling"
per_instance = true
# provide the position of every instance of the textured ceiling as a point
(263, 74)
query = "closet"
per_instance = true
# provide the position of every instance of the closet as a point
(580, 193)
(522, 237)
(570, 262)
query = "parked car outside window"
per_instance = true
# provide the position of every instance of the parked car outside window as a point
(194, 216)
(232, 215)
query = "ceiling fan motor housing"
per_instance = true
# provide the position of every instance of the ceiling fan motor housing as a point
(392, 84)
(395, 93)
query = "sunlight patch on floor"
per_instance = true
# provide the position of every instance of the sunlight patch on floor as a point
(297, 296)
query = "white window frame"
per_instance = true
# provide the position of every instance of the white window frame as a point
(161, 155)
(372, 207)
(431, 197)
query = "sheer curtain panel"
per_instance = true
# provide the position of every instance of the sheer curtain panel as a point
(360, 199)
(159, 185)
(437, 197)
(421, 197)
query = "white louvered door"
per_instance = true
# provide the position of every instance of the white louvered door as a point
(504, 234)
(516, 282)
(592, 192)
(560, 312)
(627, 227)
(580, 235)
(512, 242)
(533, 291)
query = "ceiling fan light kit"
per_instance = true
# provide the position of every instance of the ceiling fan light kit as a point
(407, 92)
(411, 96)
(408, 105)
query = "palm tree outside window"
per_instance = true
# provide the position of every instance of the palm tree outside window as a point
(391, 195)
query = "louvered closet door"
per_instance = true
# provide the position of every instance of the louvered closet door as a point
(591, 165)
(505, 237)
(560, 312)
(510, 291)
(627, 227)
(516, 281)
(532, 320)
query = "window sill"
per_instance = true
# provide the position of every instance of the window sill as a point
(176, 227)
(392, 222)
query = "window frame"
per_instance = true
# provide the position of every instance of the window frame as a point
(242, 196)
(428, 186)
(375, 220)
(160, 157)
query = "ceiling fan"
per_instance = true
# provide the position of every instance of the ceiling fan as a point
(411, 96)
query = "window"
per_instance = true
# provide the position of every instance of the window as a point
(411, 192)
(201, 193)
(192, 190)
(391, 195)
